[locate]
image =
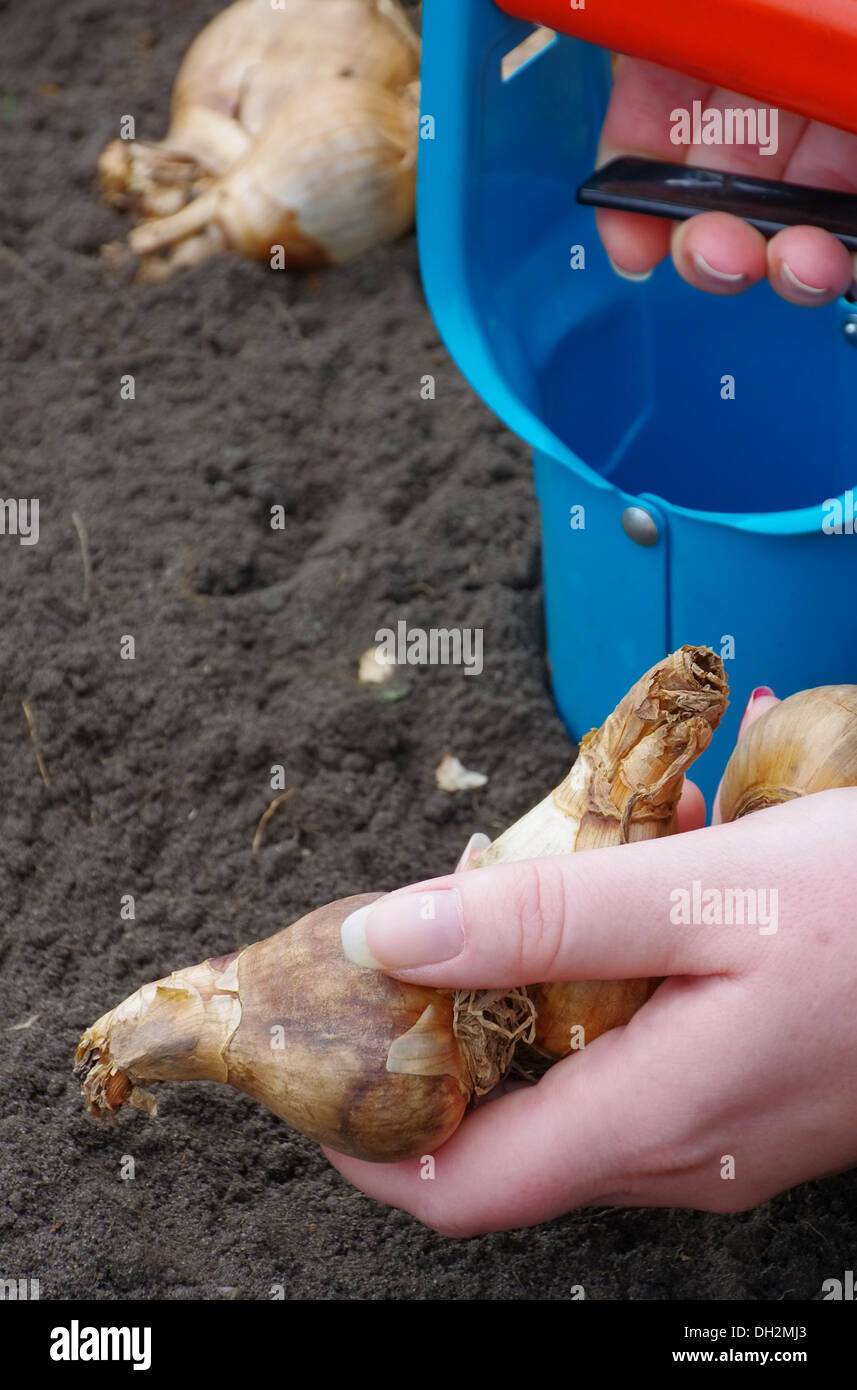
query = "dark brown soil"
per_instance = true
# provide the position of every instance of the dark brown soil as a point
(252, 388)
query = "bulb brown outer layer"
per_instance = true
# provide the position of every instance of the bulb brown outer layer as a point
(331, 1079)
(624, 787)
(805, 744)
(294, 1024)
(369, 1065)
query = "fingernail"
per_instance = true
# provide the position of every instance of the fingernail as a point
(472, 850)
(637, 277)
(800, 284)
(759, 693)
(405, 930)
(702, 264)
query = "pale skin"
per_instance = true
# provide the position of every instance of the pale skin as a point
(748, 1050)
(805, 265)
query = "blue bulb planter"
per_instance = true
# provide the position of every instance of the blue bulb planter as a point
(676, 508)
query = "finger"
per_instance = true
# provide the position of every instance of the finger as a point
(634, 244)
(641, 118)
(778, 136)
(636, 123)
(808, 266)
(805, 265)
(604, 915)
(472, 850)
(623, 1122)
(716, 252)
(761, 700)
(638, 116)
(824, 156)
(691, 808)
(561, 1133)
(827, 157)
(719, 253)
(506, 1087)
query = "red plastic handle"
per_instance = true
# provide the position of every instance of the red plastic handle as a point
(800, 55)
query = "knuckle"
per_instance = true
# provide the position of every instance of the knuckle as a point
(540, 905)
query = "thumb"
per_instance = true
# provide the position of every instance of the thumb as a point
(606, 914)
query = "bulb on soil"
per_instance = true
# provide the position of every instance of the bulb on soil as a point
(376, 1067)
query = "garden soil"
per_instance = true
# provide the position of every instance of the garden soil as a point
(148, 777)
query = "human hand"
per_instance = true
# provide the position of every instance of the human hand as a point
(747, 1050)
(715, 251)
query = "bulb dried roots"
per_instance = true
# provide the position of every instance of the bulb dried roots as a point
(383, 1069)
(625, 786)
(320, 211)
(352, 1058)
(312, 106)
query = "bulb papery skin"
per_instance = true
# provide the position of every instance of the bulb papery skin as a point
(332, 174)
(315, 1039)
(292, 1023)
(293, 140)
(805, 744)
(624, 787)
(544, 831)
(240, 70)
(383, 1069)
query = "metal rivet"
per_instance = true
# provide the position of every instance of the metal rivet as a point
(849, 328)
(640, 525)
